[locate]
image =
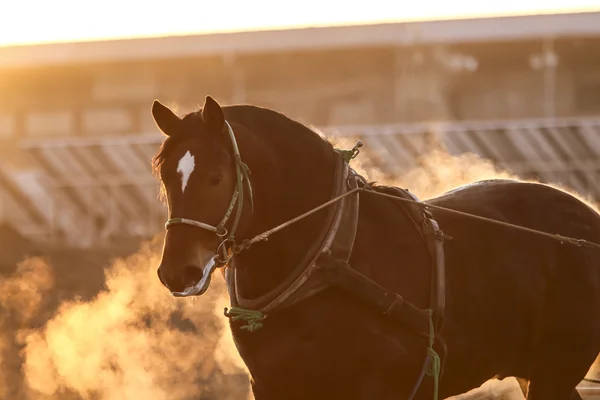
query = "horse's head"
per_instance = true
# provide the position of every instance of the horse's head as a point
(201, 178)
(210, 198)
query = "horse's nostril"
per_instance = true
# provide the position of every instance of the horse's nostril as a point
(191, 275)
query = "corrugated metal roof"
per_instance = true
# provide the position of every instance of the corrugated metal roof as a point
(110, 178)
(321, 38)
(91, 189)
(561, 151)
(16, 207)
(523, 146)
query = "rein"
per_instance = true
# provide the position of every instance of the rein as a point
(562, 239)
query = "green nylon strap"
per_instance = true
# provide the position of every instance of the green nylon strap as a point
(252, 317)
(240, 198)
(434, 367)
(242, 172)
(348, 155)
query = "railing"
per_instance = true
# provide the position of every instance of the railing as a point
(92, 191)
(561, 151)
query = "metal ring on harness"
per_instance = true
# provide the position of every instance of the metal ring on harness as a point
(227, 251)
(221, 231)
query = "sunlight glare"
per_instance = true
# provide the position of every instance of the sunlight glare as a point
(40, 21)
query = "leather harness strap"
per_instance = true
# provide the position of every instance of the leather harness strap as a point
(340, 274)
(429, 230)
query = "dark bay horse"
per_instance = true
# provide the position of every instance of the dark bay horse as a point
(516, 303)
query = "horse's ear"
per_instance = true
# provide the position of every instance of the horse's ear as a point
(212, 114)
(165, 119)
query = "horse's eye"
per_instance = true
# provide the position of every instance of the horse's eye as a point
(215, 180)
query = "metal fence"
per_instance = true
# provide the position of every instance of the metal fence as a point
(91, 192)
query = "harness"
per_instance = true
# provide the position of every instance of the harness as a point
(326, 263)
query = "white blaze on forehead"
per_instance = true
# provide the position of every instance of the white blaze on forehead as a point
(185, 168)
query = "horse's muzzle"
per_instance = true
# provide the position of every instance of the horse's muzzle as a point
(189, 281)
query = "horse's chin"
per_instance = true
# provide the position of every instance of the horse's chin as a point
(202, 286)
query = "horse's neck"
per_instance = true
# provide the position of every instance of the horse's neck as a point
(301, 183)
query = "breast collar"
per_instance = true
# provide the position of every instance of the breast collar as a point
(336, 238)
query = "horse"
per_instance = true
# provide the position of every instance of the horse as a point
(356, 295)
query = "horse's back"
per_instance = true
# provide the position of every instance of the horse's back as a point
(530, 204)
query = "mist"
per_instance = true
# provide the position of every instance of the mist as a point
(132, 340)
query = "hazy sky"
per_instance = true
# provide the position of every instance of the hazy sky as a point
(30, 21)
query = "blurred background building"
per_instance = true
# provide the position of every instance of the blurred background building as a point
(76, 134)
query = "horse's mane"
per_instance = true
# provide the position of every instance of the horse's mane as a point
(161, 155)
(271, 119)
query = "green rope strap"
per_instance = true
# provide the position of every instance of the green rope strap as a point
(348, 155)
(252, 317)
(433, 369)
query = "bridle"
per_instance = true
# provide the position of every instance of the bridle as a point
(225, 250)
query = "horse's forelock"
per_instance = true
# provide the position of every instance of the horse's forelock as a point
(165, 148)
(160, 156)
